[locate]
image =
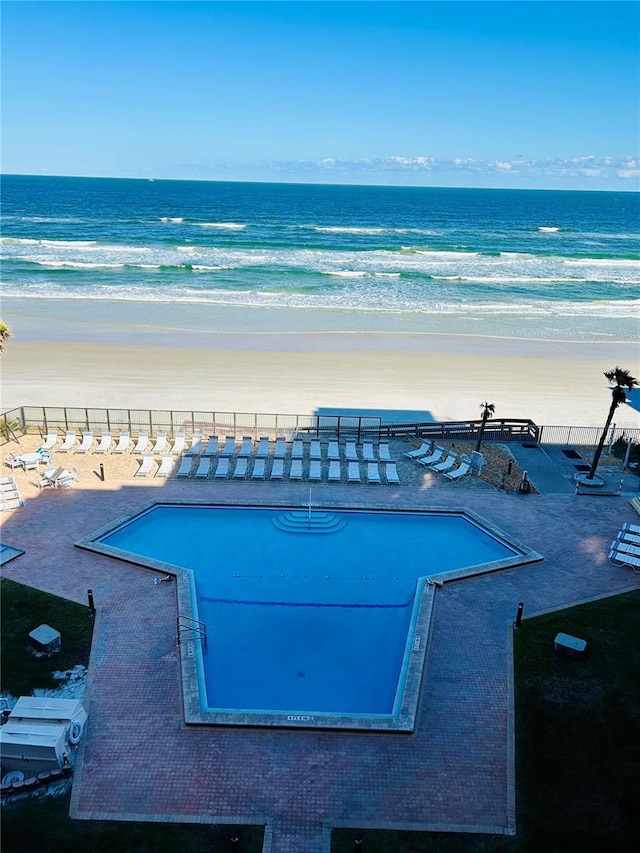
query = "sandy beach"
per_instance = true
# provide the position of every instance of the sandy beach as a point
(441, 377)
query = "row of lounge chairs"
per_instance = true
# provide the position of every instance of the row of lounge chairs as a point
(625, 548)
(9, 494)
(436, 458)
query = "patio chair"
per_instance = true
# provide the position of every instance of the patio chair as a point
(458, 472)
(146, 466)
(315, 449)
(368, 451)
(30, 464)
(373, 472)
(49, 476)
(13, 461)
(277, 469)
(186, 463)
(438, 453)
(383, 452)
(212, 446)
(246, 447)
(229, 446)
(14, 503)
(333, 451)
(263, 447)
(258, 469)
(86, 443)
(295, 472)
(445, 465)
(315, 469)
(631, 538)
(625, 548)
(222, 471)
(105, 442)
(204, 467)
(50, 441)
(161, 443)
(297, 448)
(631, 528)
(240, 472)
(70, 439)
(424, 448)
(142, 443)
(280, 448)
(351, 451)
(66, 478)
(166, 465)
(8, 484)
(335, 474)
(354, 473)
(124, 442)
(179, 443)
(196, 443)
(391, 472)
(626, 560)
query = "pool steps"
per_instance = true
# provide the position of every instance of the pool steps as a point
(303, 521)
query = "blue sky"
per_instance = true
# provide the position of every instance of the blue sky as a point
(504, 94)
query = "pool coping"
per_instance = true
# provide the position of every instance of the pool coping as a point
(189, 636)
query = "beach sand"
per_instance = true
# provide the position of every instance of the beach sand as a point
(441, 377)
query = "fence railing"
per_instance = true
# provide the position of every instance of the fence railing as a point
(43, 418)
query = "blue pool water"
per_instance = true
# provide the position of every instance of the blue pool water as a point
(306, 613)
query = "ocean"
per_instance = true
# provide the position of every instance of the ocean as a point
(241, 257)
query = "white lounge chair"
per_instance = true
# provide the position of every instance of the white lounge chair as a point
(297, 448)
(277, 469)
(196, 443)
(246, 448)
(15, 503)
(446, 464)
(631, 538)
(280, 448)
(458, 472)
(368, 451)
(315, 469)
(625, 548)
(105, 442)
(124, 442)
(146, 466)
(142, 443)
(204, 467)
(315, 449)
(70, 439)
(351, 451)
(335, 475)
(334, 450)
(240, 472)
(258, 469)
(49, 476)
(263, 447)
(229, 446)
(438, 453)
(50, 441)
(86, 443)
(11, 486)
(373, 472)
(186, 463)
(391, 472)
(383, 452)
(295, 472)
(166, 465)
(162, 442)
(631, 528)
(424, 448)
(354, 473)
(222, 471)
(212, 446)
(621, 559)
(179, 443)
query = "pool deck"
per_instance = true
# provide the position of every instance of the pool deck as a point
(455, 772)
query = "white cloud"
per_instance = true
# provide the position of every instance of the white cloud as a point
(504, 167)
(629, 173)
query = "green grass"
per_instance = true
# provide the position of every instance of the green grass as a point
(577, 743)
(24, 609)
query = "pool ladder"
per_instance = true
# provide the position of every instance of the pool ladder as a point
(190, 629)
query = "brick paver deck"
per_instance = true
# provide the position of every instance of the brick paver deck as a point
(139, 760)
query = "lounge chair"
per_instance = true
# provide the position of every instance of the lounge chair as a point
(621, 559)
(263, 447)
(383, 452)
(161, 443)
(438, 453)
(277, 469)
(351, 451)
(179, 443)
(625, 548)
(146, 465)
(166, 465)
(635, 506)
(280, 448)
(196, 443)
(258, 469)
(13, 495)
(297, 448)
(70, 439)
(246, 447)
(631, 538)
(229, 446)
(66, 478)
(373, 472)
(124, 442)
(315, 469)
(105, 442)
(11, 485)
(50, 441)
(212, 446)
(424, 448)
(86, 443)
(15, 503)
(335, 475)
(631, 528)
(446, 464)
(186, 463)
(222, 471)
(49, 476)
(368, 451)
(315, 449)
(142, 443)
(296, 469)
(204, 467)
(391, 472)
(354, 473)
(458, 472)
(240, 472)
(333, 451)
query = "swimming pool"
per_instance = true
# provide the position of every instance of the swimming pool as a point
(313, 616)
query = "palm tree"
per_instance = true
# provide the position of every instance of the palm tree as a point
(623, 379)
(5, 333)
(486, 409)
